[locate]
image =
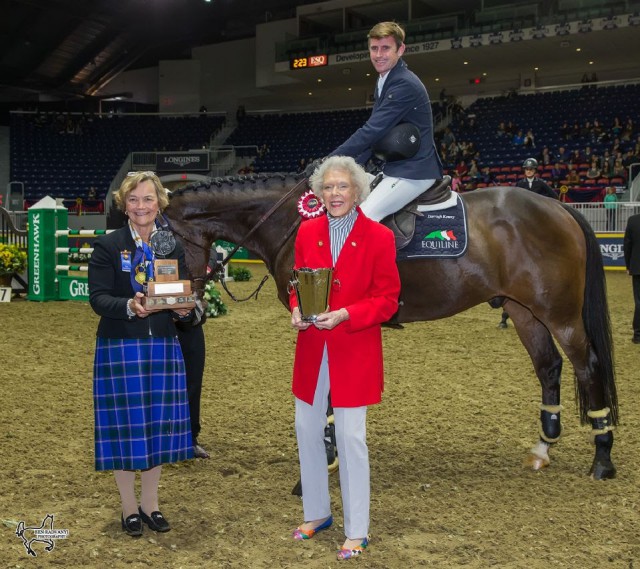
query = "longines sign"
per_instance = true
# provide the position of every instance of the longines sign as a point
(182, 161)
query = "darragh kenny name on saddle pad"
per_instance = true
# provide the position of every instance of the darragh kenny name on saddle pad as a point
(441, 231)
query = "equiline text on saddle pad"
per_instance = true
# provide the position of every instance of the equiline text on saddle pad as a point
(439, 232)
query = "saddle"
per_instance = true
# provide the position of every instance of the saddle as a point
(403, 222)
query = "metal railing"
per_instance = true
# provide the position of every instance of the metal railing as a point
(604, 220)
(13, 228)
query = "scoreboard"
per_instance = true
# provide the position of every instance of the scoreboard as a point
(309, 61)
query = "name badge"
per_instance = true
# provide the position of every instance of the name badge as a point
(125, 261)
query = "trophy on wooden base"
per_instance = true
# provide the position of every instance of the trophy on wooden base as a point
(167, 291)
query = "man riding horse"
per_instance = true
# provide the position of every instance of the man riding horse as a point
(400, 97)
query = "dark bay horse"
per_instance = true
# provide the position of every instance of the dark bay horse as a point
(533, 255)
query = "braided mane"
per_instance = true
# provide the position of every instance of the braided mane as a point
(235, 183)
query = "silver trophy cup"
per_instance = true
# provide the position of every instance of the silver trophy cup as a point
(313, 288)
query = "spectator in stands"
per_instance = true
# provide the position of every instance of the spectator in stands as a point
(607, 163)
(630, 158)
(577, 157)
(593, 173)
(586, 130)
(573, 178)
(611, 206)
(565, 131)
(616, 127)
(545, 158)
(575, 130)
(532, 182)
(444, 153)
(448, 137)
(597, 131)
(501, 131)
(456, 184)
(92, 194)
(631, 244)
(140, 396)
(461, 169)
(558, 173)
(518, 138)
(486, 177)
(562, 155)
(400, 96)
(529, 139)
(628, 130)
(474, 170)
(588, 154)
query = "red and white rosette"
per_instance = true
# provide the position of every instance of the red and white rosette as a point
(309, 206)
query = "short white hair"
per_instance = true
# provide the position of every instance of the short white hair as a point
(359, 177)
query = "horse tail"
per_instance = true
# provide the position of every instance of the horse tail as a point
(597, 324)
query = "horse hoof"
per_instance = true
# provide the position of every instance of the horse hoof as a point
(536, 462)
(503, 325)
(602, 470)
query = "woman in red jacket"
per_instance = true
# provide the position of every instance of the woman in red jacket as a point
(341, 352)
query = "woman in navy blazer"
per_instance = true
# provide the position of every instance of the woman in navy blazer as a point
(399, 97)
(140, 398)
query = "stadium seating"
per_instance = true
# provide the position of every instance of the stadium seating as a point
(51, 161)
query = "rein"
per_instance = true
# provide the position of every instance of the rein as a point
(219, 267)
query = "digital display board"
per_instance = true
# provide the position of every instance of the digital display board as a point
(309, 61)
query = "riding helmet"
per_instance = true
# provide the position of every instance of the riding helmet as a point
(530, 163)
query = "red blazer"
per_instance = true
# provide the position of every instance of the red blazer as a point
(367, 284)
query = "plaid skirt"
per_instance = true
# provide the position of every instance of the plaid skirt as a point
(141, 406)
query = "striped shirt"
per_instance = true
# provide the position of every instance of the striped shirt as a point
(339, 228)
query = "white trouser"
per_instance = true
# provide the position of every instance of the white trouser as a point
(391, 194)
(353, 456)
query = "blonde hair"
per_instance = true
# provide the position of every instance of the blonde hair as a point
(386, 29)
(132, 181)
(347, 164)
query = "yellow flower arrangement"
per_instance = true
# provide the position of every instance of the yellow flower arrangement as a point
(12, 259)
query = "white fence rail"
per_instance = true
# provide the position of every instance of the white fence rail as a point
(597, 217)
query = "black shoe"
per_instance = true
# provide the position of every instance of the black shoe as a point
(199, 452)
(156, 521)
(635, 340)
(132, 525)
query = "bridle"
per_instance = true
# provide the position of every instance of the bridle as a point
(218, 271)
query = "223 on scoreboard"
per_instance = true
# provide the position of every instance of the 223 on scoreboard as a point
(309, 61)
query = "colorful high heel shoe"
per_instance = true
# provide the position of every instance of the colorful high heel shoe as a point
(300, 534)
(344, 553)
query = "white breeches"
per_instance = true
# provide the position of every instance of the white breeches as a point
(391, 194)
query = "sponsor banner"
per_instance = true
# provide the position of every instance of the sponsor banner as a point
(182, 161)
(612, 250)
(560, 30)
